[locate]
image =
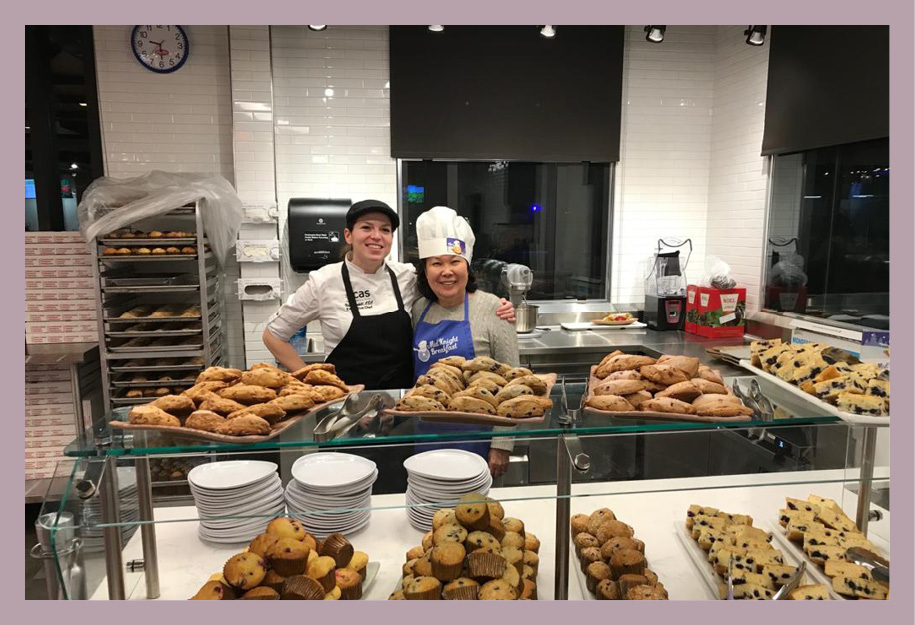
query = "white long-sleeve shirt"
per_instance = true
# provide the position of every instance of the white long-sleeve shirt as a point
(323, 297)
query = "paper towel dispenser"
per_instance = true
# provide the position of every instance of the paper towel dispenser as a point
(315, 229)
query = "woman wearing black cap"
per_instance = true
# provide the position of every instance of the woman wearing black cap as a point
(363, 304)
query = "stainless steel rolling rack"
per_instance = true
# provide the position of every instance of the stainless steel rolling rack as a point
(160, 308)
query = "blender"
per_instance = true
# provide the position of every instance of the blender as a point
(665, 286)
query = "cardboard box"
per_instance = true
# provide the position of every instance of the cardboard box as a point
(51, 421)
(57, 339)
(69, 327)
(60, 283)
(51, 410)
(45, 388)
(61, 260)
(56, 249)
(46, 295)
(61, 317)
(58, 272)
(35, 238)
(42, 306)
(715, 313)
(46, 431)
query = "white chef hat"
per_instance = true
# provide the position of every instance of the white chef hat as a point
(442, 231)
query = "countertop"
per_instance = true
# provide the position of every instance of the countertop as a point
(59, 354)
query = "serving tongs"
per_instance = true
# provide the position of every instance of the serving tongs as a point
(792, 583)
(359, 409)
(879, 567)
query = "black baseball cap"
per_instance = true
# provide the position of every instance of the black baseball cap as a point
(370, 206)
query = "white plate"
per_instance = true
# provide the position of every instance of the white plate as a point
(295, 491)
(587, 325)
(453, 491)
(321, 532)
(260, 500)
(267, 489)
(454, 465)
(236, 490)
(229, 473)
(329, 470)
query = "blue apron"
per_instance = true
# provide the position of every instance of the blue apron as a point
(431, 343)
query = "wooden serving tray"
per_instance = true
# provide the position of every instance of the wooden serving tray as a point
(473, 418)
(639, 415)
(200, 435)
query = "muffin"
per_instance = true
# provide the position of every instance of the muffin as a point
(482, 565)
(528, 572)
(358, 562)
(495, 508)
(645, 593)
(214, 591)
(513, 539)
(512, 577)
(482, 540)
(583, 541)
(513, 525)
(322, 570)
(451, 532)
(532, 560)
(588, 556)
(597, 518)
(397, 595)
(631, 580)
(579, 524)
(299, 587)
(423, 589)
(337, 547)
(447, 561)
(461, 589)
(262, 543)
(472, 512)
(514, 557)
(651, 576)
(529, 590)
(284, 527)
(416, 552)
(612, 529)
(627, 561)
(607, 590)
(288, 556)
(408, 566)
(274, 580)
(496, 528)
(312, 542)
(531, 543)
(443, 516)
(497, 590)
(350, 584)
(261, 592)
(596, 573)
(334, 595)
(245, 570)
(618, 543)
(427, 542)
(423, 566)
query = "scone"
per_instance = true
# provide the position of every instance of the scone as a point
(471, 404)
(666, 404)
(219, 405)
(265, 377)
(684, 391)
(483, 363)
(522, 407)
(610, 403)
(431, 392)
(687, 364)
(663, 374)
(510, 392)
(178, 405)
(247, 425)
(202, 390)
(325, 378)
(204, 420)
(532, 381)
(292, 404)
(707, 387)
(269, 412)
(415, 403)
(618, 387)
(150, 415)
(248, 394)
(219, 374)
(480, 393)
(623, 362)
(636, 399)
(492, 386)
(328, 393)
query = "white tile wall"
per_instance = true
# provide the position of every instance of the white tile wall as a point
(180, 122)
(662, 180)
(252, 123)
(737, 184)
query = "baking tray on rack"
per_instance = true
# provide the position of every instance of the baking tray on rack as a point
(854, 419)
(147, 257)
(153, 368)
(153, 333)
(156, 348)
(154, 383)
(146, 242)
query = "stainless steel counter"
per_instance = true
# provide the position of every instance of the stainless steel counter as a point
(60, 354)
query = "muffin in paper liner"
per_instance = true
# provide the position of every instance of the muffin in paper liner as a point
(461, 589)
(485, 565)
(302, 588)
(337, 547)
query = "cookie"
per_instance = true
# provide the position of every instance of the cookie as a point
(327, 393)
(531, 381)
(325, 378)
(618, 387)
(510, 392)
(246, 425)
(204, 420)
(416, 403)
(610, 403)
(269, 412)
(248, 394)
(202, 390)
(666, 404)
(687, 364)
(322, 366)
(471, 404)
(178, 405)
(480, 393)
(663, 374)
(150, 415)
(220, 405)
(522, 407)
(684, 391)
(271, 378)
(431, 392)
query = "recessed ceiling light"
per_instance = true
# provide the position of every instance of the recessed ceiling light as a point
(655, 34)
(437, 29)
(548, 31)
(83, 104)
(756, 35)
(316, 28)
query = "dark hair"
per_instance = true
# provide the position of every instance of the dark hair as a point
(422, 283)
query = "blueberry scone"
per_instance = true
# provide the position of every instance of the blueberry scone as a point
(471, 404)
(522, 407)
(432, 392)
(510, 392)
(417, 403)
(480, 393)
(610, 403)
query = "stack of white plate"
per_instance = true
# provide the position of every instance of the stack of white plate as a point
(437, 479)
(236, 499)
(92, 535)
(331, 492)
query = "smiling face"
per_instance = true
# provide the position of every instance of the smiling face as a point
(371, 238)
(447, 276)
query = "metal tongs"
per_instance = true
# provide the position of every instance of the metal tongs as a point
(792, 583)
(755, 400)
(570, 416)
(879, 567)
(361, 410)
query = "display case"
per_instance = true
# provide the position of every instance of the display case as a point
(647, 473)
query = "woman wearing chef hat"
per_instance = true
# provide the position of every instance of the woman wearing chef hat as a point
(453, 318)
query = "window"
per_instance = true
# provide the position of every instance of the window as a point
(552, 217)
(828, 251)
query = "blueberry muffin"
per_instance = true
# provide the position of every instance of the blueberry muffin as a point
(245, 570)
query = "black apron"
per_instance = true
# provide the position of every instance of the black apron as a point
(377, 350)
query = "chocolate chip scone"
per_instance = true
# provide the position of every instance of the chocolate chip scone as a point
(663, 374)
(610, 403)
(532, 381)
(150, 415)
(432, 392)
(319, 376)
(247, 425)
(204, 420)
(666, 404)
(618, 387)
(248, 394)
(521, 407)
(471, 404)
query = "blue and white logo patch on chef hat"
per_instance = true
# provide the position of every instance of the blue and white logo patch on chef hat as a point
(441, 232)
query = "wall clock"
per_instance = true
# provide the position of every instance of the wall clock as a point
(160, 49)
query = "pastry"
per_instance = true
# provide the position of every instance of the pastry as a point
(471, 404)
(328, 393)
(687, 364)
(162, 391)
(454, 361)
(499, 590)
(262, 543)
(663, 374)
(248, 394)
(612, 529)
(423, 566)
(456, 371)
(725, 410)
(622, 362)
(598, 518)
(610, 403)
(531, 381)
(869, 405)
(431, 392)
(178, 405)
(422, 588)
(301, 587)
(337, 547)
(811, 592)
(528, 589)
(517, 372)
(714, 401)
(666, 404)
(752, 591)
(291, 404)
(532, 560)
(449, 532)
(447, 561)
(521, 407)
(287, 556)
(443, 516)
(596, 573)
(514, 557)
(204, 420)
(478, 392)
(584, 540)
(636, 399)
(214, 591)
(472, 512)
(579, 524)
(707, 373)
(220, 405)
(618, 387)
(325, 378)
(349, 583)
(461, 589)
(202, 390)
(617, 543)
(321, 569)
(607, 590)
(646, 593)
(284, 527)
(264, 377)
(124, 251)
(490, 385)
(143, 251)
(684, 391)
(189, 249)
(531, 543)
(150, 415)
(358, 563)
(219, 374)
(627, 561)
(269, 412)
(245, 570)
(630, 581)
(709, 388)
(483, 363)
(248, 425)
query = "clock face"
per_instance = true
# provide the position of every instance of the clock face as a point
(161, 49)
